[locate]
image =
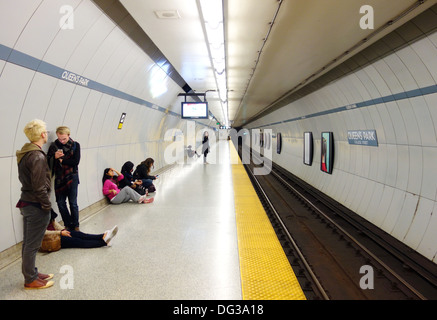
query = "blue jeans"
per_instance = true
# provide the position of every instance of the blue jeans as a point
(71, 219)
(147, 182)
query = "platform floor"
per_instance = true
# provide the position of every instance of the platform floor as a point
(183, 246)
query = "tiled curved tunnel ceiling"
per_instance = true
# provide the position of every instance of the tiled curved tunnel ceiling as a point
(273, 48)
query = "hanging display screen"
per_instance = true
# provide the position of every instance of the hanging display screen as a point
(194, 110)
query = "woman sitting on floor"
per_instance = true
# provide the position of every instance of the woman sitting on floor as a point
(117, 196)
(142, 173)
(128, 180)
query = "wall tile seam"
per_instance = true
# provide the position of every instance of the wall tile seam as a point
(26, 61)
(10, 55)
(365, 104)
(317, 139)
(159, 141)
(377, 182)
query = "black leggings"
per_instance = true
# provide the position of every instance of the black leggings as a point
(82, 240)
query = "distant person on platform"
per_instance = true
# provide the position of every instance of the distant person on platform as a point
(205, 146)
(63, 157)
(34, 203)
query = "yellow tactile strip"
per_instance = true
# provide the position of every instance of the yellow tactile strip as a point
(265, 271)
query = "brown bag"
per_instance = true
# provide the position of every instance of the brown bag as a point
(51, 242)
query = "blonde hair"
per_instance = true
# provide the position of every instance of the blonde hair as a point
(34, 129)
(63, 130)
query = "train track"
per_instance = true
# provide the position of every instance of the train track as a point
(336, 255)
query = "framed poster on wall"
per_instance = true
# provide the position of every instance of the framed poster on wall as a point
(261, 139)
(278, 143)
(308, 148)
(327, 152)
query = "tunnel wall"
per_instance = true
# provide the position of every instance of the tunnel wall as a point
(83, 77)
(393, 184)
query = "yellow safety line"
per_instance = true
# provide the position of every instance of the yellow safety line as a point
(266, 273)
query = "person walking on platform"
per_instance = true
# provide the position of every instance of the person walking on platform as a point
(117, 196)
(205, 146)
(34, 203)
(63, 157)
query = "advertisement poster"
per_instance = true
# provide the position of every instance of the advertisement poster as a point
(327, 153)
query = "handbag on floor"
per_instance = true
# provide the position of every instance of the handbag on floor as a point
(51, 242)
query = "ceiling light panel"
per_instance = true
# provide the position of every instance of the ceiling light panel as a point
(212, 12)
(168, 14)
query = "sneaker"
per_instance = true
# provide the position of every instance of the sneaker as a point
(148, 200)
(109, 235)
(38, 284)
(142, 198)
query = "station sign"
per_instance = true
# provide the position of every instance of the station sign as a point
(363, 137)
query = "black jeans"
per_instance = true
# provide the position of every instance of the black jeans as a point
(82, 240)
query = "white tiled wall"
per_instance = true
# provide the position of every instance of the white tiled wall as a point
(393, 185)
(98, 50)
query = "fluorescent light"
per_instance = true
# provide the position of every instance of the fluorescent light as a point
(219, 66)
(212, 12)
(216, 35)
(218, 52)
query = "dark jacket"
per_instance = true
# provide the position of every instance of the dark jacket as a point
(71, 158)
(141, 173)
(66, 170)
(34, 175)
(128, 178)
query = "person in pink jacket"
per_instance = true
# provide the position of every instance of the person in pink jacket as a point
(117, 196)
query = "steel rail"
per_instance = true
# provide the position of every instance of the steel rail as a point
(290, 238)
(362, 247)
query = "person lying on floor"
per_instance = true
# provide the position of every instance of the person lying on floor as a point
(114, 194)
(57, 237)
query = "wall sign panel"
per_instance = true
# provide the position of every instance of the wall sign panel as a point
(308, 148)
(363, 137)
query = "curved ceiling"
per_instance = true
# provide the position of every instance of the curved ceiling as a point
(272, 47)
